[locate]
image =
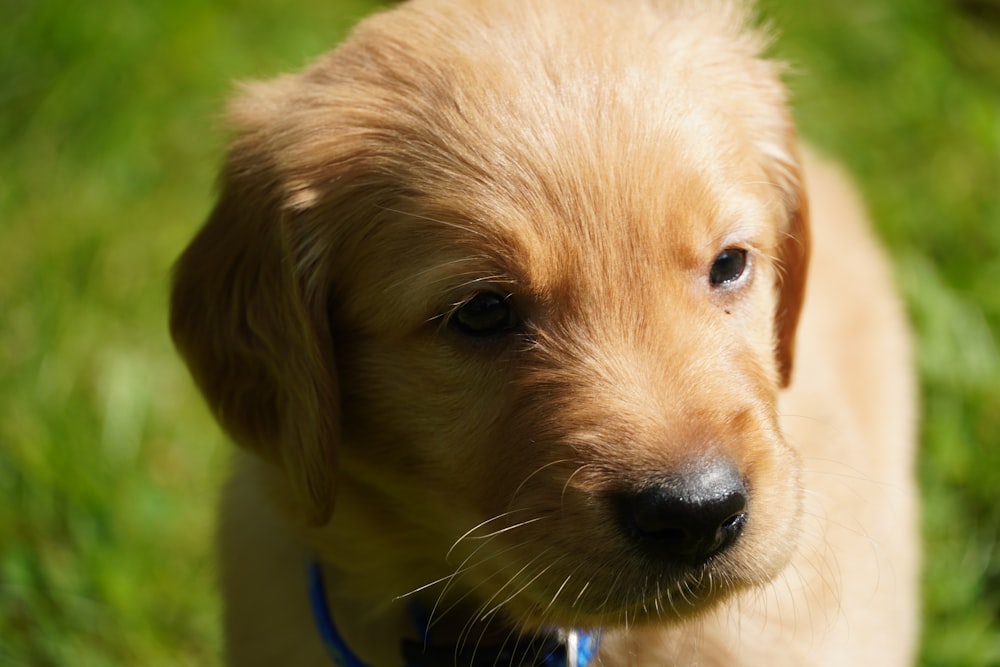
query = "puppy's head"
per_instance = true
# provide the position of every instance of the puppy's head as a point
(528, 275)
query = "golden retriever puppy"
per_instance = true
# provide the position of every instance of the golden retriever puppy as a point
(510, 308)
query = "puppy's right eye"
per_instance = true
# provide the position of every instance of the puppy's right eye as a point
(485, 314)
(729, 266)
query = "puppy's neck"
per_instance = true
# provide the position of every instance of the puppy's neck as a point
(421, 644)
(382, 587)
(373, 639)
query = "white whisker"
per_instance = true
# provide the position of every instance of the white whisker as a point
(538, 470)
(580, 594)
(507, 529)
(570, 479)
(559, 590)
(509, 582)
(521, 590)
(477, 527)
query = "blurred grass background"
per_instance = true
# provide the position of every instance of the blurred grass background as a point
(109, 463)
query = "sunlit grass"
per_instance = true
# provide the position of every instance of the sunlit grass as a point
(109, 464)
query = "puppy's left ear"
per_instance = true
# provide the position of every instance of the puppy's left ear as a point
(792, 261)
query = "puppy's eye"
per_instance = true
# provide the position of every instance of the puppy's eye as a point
(485, 314)
(728, 267)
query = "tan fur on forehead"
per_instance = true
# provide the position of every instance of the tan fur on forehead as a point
(521, 84)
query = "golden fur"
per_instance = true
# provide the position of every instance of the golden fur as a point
(588, 161)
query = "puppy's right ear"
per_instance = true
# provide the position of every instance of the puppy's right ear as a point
(239, 319)
(793, 262)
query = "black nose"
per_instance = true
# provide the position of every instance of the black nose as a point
(688, 517)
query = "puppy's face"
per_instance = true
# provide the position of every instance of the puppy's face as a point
(550, 292)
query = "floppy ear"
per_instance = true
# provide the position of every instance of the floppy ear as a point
(793, 264)
(239, 319)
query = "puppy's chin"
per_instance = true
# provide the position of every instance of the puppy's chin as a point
(658, 600)
(625, 594)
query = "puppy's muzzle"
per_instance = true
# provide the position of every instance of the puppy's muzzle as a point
(687, 518)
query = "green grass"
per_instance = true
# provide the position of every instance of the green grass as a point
(108, 147)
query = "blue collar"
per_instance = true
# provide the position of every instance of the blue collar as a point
(573, 648)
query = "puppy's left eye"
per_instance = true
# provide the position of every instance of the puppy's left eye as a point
(485, 314)
(729, 266)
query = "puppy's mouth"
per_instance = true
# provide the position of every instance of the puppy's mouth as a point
(664, 549)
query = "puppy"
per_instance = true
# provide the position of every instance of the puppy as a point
(509, 306)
